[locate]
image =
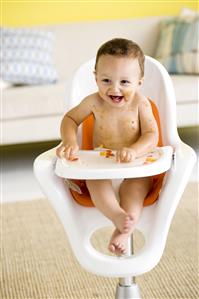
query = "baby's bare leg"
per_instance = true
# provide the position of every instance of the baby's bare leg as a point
(132, 194)
(103, 197)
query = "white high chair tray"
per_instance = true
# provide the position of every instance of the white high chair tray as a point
(93, 164)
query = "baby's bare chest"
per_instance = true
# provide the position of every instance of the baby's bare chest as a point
(122, 128)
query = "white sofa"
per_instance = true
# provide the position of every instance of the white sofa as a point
(33, 113)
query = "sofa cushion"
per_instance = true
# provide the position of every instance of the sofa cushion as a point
(37, 101)
(26, 56)
(33, 101)
(177, 47)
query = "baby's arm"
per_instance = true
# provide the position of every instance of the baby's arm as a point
(69, 146)
(148, 138)
(149, 129)
(69, 126)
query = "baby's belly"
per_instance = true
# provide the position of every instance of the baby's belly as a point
(114, 142)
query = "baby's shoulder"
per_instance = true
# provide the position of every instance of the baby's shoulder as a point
(91, 99)
(142, 101)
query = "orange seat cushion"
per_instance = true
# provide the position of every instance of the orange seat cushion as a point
(87, 144)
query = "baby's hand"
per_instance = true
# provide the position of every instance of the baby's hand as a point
(125, 154)
(67, 150)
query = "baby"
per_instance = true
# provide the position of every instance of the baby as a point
(123, 122)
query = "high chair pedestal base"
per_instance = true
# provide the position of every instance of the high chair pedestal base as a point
(128, 292)
(127, 287)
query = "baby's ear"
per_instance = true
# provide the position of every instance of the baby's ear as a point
(95, 74)
(141, 80)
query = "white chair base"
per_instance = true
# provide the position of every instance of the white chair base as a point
(127, 292)
(127, 287)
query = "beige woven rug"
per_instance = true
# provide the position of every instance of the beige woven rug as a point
(37, 262)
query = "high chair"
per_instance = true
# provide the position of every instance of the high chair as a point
(81, 222)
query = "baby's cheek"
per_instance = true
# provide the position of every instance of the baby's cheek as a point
(128, 95)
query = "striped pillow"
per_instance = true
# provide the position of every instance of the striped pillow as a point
(26, 56)
(178, 45)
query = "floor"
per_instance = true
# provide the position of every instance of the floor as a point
(17, 178)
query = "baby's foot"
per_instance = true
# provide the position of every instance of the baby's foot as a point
(124, 223)
(118, 243)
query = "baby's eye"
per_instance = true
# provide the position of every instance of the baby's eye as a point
(106, 80)
(125, 82)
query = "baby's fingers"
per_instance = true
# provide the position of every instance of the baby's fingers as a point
(120, 156)
(124, 156)
(63, 151)
(60, 151)
(128, 157)
(73, 153)
(68, 152)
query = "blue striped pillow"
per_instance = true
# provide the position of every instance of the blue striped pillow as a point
(177, 47)
(27, 56)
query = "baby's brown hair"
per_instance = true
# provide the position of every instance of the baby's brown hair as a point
(122, 47)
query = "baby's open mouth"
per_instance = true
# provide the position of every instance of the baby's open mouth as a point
(116, 99)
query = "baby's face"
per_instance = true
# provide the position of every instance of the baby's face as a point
(118, 79)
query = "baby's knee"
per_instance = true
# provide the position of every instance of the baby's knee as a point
(128, 184)
(135, 186)
(135, 214)
(96, 183)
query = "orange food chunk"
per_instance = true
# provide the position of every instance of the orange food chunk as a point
(102, 153)
(74, 159)
(151, 159)
(108, 153)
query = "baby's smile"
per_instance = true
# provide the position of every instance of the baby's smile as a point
(116, 99)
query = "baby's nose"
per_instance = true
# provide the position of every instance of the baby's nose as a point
(115, 87)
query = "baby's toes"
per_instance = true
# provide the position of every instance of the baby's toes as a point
(119, 245)
(121, 249)
(112, 248)
(127, 225)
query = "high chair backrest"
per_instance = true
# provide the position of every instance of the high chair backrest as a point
(157, 86)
